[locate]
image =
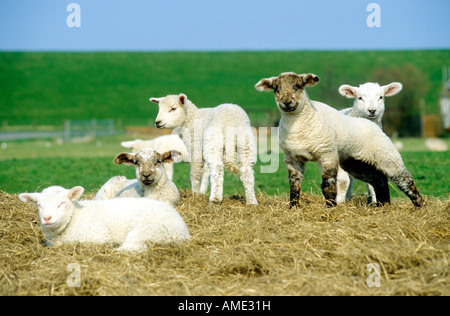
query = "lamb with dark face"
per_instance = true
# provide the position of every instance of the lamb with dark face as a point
(313, 131)
(289, 89)
(151, 178)
(148, 164)
(161, 144)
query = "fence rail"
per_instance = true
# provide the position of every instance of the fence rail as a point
(72, 130)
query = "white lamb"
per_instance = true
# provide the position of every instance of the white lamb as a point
(369, 99)
(313, 131)
(220, 136)
(369, 104)
(131, 222)
(161, 144)
(151, 178)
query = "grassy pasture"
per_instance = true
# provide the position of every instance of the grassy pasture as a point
(33, 165)
(48, 88)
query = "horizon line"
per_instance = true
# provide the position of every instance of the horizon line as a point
(219, 50)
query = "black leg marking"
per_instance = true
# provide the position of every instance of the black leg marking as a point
(329, 186)
(381, 187)
(405, 182)
(369, 174)
(295, 184)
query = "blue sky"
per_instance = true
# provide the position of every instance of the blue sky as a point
(159, 25)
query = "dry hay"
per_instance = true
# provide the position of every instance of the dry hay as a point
(241, 250)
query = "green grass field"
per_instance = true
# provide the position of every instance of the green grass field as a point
(41, 90)
(47, 88)
(33, 165)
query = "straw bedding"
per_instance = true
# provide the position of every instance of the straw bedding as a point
(236, 249)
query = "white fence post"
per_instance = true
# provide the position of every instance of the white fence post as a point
(93, 128)
(67, 131)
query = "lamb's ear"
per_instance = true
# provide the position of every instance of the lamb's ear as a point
(310, 79)
(392, 89)
(155, 100)
(183, 99)
(75, 193)
(265, 84)
(171, 156)
(124, 158)
(348, 91)
(29, 197)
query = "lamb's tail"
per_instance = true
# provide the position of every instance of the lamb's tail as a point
(233, 167)
(244, 152)
(231, 159)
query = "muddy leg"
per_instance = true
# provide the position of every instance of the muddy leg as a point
(329, 186)
(405, 182)
(296, 170)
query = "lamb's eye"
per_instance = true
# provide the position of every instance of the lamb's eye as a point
(360, 98)
(381, 97)
(296, 87)
(172, 109)
(61, 204)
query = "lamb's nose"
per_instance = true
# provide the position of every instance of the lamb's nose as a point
(157, 122)
(287, 103)
(47, 218)
(372, 111)
(146, 175)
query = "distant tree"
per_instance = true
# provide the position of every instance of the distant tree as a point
(402, 114)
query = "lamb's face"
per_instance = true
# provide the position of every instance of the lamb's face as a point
(369, 97)
(370, 100)
(171, 111)
(148, 163)
(149, 167)
(289, 89)
(55, 205)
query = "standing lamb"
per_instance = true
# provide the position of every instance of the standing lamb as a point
(220, 136)
(369, 99)
(313, 131)
(161, 144)
(151, 178)
(131, 222)
(369, 104)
